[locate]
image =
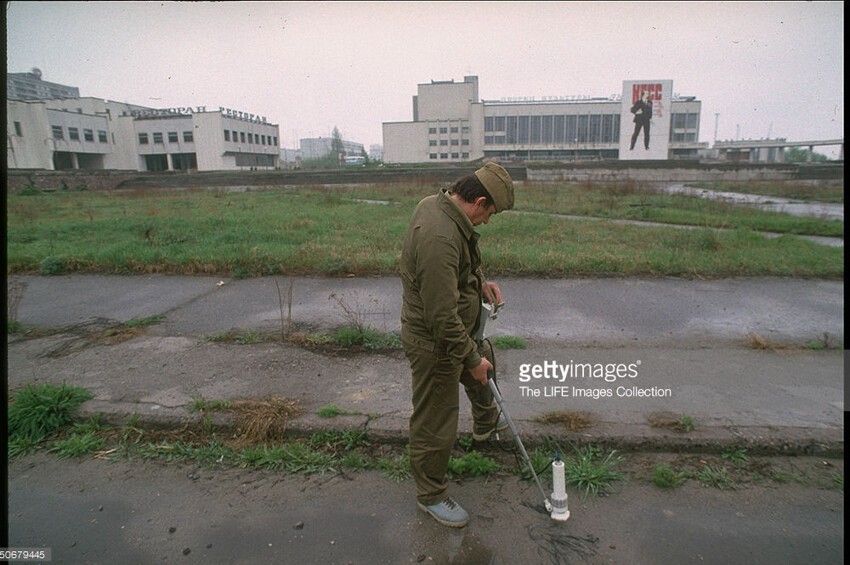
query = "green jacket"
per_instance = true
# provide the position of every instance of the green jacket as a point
(441, 279)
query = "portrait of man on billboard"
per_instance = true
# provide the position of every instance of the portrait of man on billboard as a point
(645, 103)
(642, 110)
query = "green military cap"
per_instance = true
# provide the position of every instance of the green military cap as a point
(498, 184)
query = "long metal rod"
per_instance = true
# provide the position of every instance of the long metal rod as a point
(518, 441)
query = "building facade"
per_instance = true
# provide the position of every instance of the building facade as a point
(451, 124)
(92, 133)
(30, 86)
(318, 147)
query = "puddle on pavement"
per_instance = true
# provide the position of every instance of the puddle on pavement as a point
(768, 203)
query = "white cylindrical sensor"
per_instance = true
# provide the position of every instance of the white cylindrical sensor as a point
(560, 503)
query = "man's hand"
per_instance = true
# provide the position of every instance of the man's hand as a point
(480, 372)
(491, 292)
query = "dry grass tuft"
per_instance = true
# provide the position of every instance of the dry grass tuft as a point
(671, 421)
(264, 420)
(573, 421)
(755, 341)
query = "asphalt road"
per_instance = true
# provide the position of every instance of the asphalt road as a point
(138, 512)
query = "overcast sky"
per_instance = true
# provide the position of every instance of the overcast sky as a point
(769, 69)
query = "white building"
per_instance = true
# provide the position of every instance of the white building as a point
(92, 133)
(318, 147)
(376, 153)
(451, 124)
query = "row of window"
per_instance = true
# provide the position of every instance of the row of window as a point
(446, 155)
(173, 137)
(453, 129)
(74, 134)
(259, 139)
(444, 142)
(580, 128)
(577, 128)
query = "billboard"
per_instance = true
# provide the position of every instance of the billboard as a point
(645, 119)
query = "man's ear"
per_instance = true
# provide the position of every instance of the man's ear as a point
(481, 201)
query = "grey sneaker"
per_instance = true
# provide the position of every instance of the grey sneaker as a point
(448, 513)
(501, 425)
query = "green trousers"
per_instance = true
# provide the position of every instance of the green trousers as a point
(433, 425)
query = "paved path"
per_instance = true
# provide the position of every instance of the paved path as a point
(683, 347)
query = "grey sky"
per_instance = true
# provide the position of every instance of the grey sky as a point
(767, 68)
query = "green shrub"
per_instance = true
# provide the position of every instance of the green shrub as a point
(52, 265)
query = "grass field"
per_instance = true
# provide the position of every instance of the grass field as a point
(343, 230)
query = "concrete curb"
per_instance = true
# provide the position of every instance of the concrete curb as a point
(393, 430)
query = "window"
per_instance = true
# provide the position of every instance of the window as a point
(444, 142)
(250, 137)
(558, 132)
(465, 155)
(455, 155)
(242, 136)
(454, 130)
(535, 128)
(157, 137)
(444, 155)
(88, 135)
(444, 130)
(275, 141)
(57, 132)
(454, 142)
(143, 139)
(101, 136)
(74, 134)
(18, 131)
(227, 135)
(465, 129)
(464, 142)
(172, 137)
(432, 142)
(262, 140)
(583, 120)
(547, 129)
(432, 130)
(187, 136)
(522, 132)
(432, 155)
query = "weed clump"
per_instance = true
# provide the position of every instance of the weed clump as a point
(37, 412)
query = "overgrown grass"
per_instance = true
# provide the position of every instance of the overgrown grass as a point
(831, 192)
(664, 476)
(508, 342)
(323, 232)
(332, 411)
(634, 201)
(472, 464)
(591, 472)
(38, 412)
(345, 337)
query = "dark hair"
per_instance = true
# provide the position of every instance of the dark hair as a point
(469, 188)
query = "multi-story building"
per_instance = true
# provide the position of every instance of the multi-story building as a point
(451, 124)
(49, 126)
(29, 86)
(92, 133)
(318, 147)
